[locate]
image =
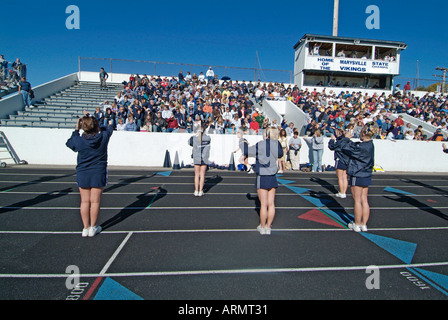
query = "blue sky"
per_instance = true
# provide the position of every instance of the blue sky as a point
(222, 33)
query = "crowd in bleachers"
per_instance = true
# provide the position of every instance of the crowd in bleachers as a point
(162, 104)
(11, 73)
(330, 111)
(170, 104)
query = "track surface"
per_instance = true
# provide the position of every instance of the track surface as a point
(161, 243)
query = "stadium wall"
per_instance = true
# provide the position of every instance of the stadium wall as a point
(42, 146)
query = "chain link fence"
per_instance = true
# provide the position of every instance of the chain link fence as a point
(168, 69)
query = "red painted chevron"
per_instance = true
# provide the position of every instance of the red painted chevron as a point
(319, 217)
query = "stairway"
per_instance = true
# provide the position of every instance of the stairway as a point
(62, 109)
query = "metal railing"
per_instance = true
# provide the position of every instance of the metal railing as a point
(157, 68)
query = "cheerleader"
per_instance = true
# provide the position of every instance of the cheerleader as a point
(360, 167)
(266, 153)
(341, 159)
(201, 152)
(91, 168)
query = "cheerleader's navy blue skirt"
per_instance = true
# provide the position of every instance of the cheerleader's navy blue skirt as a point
(92, 178)
(360, 182)
(266, 182)
(340, 165)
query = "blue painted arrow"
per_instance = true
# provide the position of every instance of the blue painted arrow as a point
(164, 173)
(440, 279)
(393, 190)
(283, 181)
(403, 250)
(112, 290)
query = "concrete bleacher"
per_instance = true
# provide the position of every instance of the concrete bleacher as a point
(61, 109)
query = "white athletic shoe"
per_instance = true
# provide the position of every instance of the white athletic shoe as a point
(364, 228)
(85, 232)
(267, 230)
(196, 193)
(341, 195)
(93, 231)
(354, 226)
(200, 193)
(261, 230)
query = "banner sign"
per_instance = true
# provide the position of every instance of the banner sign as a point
(351, 65)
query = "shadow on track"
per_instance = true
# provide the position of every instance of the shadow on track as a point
(36, 200)
(413, 202)
(143, 202)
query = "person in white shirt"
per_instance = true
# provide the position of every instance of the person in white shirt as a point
(227, 117)
(201, 77)
(166, 113)
(259, 94)
(106, 105)
(295, 143)
(210, 74)
(341, 54)
(120, 125)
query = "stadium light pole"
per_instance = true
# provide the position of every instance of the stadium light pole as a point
(335, 18)
(444, 77)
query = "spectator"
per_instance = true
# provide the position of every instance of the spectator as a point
(3, 68)
(159, 124)
(283, 139)
(438, 136)
(98, 115)
(317, 148)
(25, 90)
(189, 125)
(201, 77)
(210, 74)
(407, 88)
(295, 144)
(109, 117)
(19, 68)
(103, 78)
(130, 126)
(254, 127)
(121, 126)
(173, 125)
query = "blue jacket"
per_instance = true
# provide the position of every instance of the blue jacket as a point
(336, 146)
(361, 158)
(92, 150)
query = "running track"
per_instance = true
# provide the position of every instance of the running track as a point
(161, 243)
